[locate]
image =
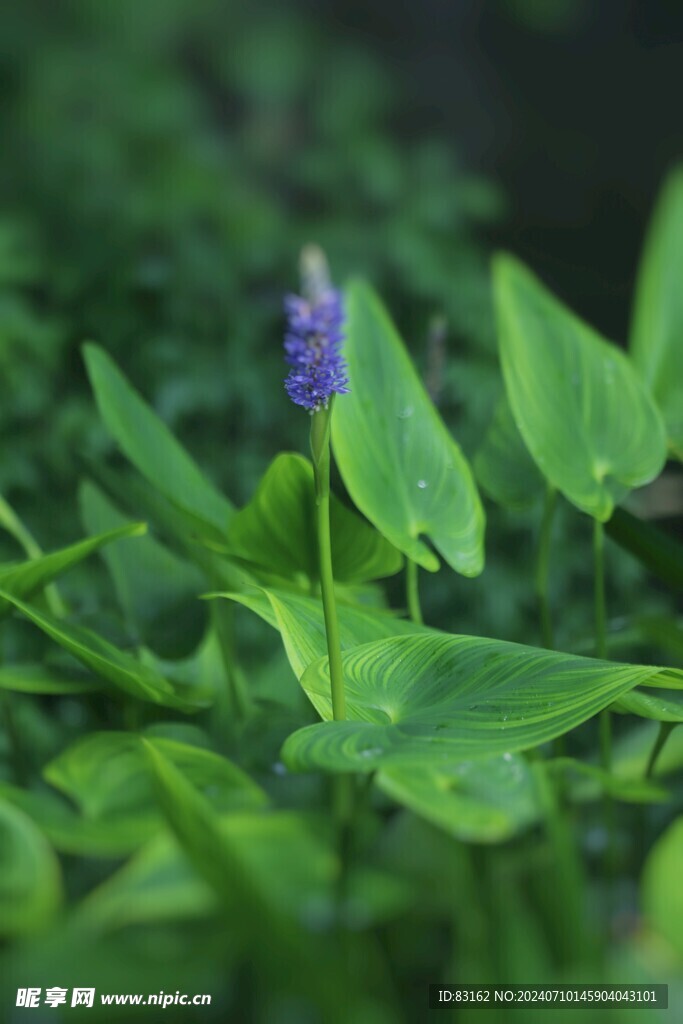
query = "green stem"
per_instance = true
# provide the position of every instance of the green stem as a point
(570, 890)
(665, 730)
(601, 635)
(320, 449)
(413, 591)
(542, 567)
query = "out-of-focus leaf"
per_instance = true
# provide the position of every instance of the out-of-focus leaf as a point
(30, 879)
(154, 586)
(657, 328)
(107, 775)
(122, 670)
(658, 551)
(151, 447)
(30, 678)
(436, 699)
(484, 801)
(398, 460)
(584, 414)
(24, 579)
(503, 466)
(662, 892)
(630, 790)
(293, 864)
(276, 530)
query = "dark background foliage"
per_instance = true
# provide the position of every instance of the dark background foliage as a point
(163, 164)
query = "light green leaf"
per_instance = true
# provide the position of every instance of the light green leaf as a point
(662, 891)
(503, 466)
(107, 776)
(657, 328)
(151, 447)
(661, 705)
(73, 833)
(124, 671)
(24, 579)
(301, 624)
(276, 530)
(30, 879)
(400, 464)
(30, 678)
(584, 414)
(484, 801)
(435, 699)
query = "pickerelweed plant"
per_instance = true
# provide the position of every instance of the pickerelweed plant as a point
(202, 776)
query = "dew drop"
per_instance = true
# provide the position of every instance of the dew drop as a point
(422, 484)
(406, 413)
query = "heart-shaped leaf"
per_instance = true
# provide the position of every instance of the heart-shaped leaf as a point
(398, 460)
(107, 775)
(125, 672)
(657, 329)
(276, 530)
(584, 414)
(503, 466)
(151, 447)
(30, 879)
(435, 699)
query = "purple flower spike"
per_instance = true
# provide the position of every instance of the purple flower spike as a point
(313, 349)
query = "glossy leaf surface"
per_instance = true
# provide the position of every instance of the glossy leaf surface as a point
(435, 699)
(586, 417)
(398, 460)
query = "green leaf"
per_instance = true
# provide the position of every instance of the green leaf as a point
(657, 550)
(107, 776)
(503, 466)
(661, 705)
(657, 328)
(400, 464)
(584, 414)
(301, 623)
(437, 699)
(154, 586)
(30, 879)
(662, 892)
(151, 447)
(30, 678)
(484, 801)
(24, 579)
(276, 530)
(125, 672)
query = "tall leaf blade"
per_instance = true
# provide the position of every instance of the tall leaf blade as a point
(657, 327)
(400, 464)
(151, 447)
(584, 414)
(30, 879)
